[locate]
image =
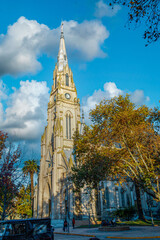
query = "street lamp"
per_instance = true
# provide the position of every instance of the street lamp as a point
(149, 207)
(51, 192)
(67, 208)
(89, 208)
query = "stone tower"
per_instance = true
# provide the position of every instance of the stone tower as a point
(57, 142)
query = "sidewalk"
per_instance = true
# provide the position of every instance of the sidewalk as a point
(134, 232)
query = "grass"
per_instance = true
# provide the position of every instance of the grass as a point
(89, 226)
(129, 223)
(140, 223)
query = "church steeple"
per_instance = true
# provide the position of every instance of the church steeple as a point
(62, 55)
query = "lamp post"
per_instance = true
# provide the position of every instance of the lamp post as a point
(67, 209)
(150, 210)
(88, 209)
(51, 191)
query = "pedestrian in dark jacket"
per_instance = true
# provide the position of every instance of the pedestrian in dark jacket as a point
(65, 225)
(73, 222)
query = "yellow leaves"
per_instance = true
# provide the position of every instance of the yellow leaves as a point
(122, 140)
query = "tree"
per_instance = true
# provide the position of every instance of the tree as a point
(31, 167)
(143, 10)
(136, 150)
(124, 136)
(92, 166)
(23, 203)
(10, 176)
(3, 137)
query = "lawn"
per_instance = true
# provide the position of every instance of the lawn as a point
(140, 223)
(130, 223)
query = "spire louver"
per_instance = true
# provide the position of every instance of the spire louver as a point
(62, 55)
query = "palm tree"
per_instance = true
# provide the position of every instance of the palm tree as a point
(31, 167)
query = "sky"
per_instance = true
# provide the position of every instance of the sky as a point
(106, 58)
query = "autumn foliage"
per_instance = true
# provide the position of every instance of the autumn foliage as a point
(123, 142)
(10, 180)
(146, 12)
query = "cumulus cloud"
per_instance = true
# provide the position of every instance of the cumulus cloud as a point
(104, 10)
(25, 116)
(26, 40)
(109, 91)
(138, 97)
(3, 91)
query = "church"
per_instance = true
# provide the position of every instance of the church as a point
(54, 196)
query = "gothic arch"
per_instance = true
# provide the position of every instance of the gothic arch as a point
(68, 117)
(46, 200)
(107, 197)
(64, 201)
(69, 112)
(67, 79)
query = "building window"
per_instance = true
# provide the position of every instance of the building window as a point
(122, 197)
(128, 200)
(116, 198)
(67, 79)
(68, 126)
(107, 197)
(55, 82)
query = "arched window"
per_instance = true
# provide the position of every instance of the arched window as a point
(55, 82)
(68, 126)
(128, 200)
(67, 79)
(116, 198)
(107, 197)
(122, 197)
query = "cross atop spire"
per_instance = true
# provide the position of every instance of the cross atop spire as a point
(62, 55)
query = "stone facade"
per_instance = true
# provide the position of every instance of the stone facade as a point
(53, 194)
(57, 140)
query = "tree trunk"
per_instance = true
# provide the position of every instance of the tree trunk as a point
(139, 203)
(4, 205)
(97, 201)
(32, 192)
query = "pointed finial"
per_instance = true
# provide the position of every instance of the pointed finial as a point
(82, 116)
(62, 35)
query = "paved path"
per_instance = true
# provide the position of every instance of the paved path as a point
(86, 233)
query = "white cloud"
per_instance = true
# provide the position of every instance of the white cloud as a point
(1, 112)
(138, 97)
(104, 10)
(25, 116)
(3, 94)
(26, 40)
(110, 91)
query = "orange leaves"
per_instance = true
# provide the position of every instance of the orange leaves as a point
(124, 140)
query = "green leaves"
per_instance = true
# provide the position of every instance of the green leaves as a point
(122, 141)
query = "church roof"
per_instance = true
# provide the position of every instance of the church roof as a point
(62, 55)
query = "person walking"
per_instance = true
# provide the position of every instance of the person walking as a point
(73, 222)
(65, 225)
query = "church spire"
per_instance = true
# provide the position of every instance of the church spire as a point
(62, 55)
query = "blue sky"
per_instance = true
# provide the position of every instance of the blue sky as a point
(106, 59)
